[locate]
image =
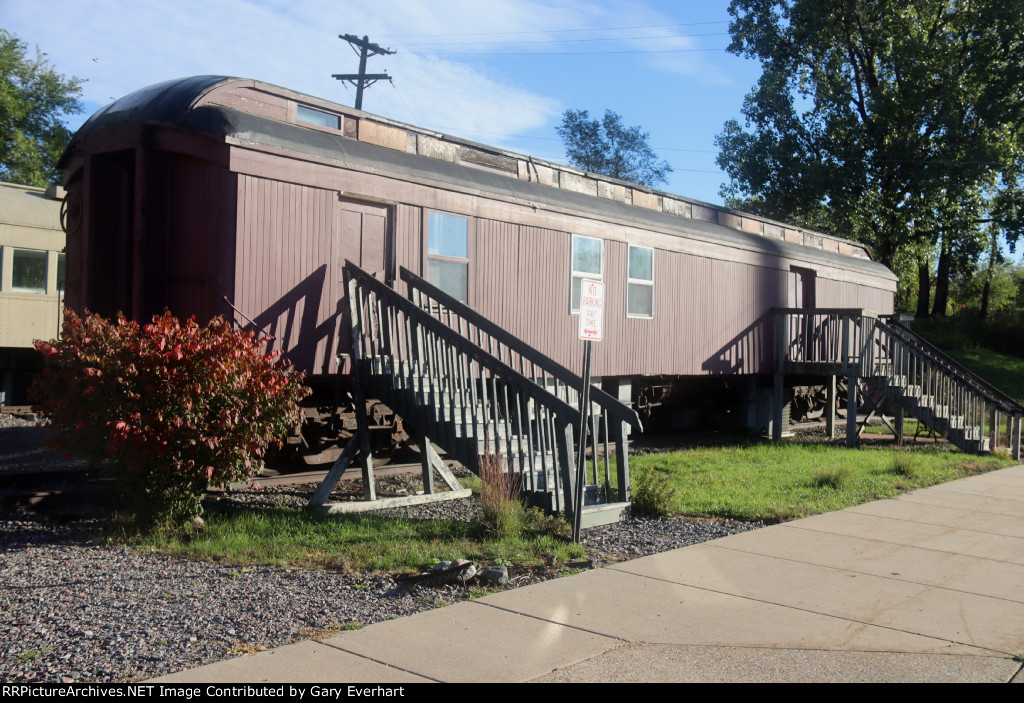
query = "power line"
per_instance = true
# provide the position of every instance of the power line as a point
(558, 31)
(565, 41)
(556, 53)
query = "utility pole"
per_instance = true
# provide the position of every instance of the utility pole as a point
(363, 79)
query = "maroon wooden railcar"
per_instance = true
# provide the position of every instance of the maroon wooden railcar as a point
(210, 194)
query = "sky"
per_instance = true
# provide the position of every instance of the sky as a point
(499, 72)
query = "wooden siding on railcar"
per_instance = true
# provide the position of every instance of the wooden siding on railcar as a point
(710, 316)
(711, 303)
(286, 275)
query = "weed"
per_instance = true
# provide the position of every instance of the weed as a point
(340, 563)
(538, 521)
(568, 572)
(504, 515)
(33, 654)
(240, 648)
(653, 492)
(353, 626)
(903, 464)
(834, 477)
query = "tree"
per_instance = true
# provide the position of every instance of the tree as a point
(897, 123)
(610, 148)
(33, 100)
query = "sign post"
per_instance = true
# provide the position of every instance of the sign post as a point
(591, 330)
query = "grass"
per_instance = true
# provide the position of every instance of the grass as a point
(784, 481)
(834, 477)
(504, 515)
(880, 428)
(753, 481)
(1001, 370)
(903, 463)
(284, 537)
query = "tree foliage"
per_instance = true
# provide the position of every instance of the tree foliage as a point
(610, 148)
(894, 122)
(172, 407)
(33, 100)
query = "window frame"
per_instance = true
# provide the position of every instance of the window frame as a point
(630, 281)
(60, 273)
(14, 251)
(574, 274)
(299, 107)
(444, 258)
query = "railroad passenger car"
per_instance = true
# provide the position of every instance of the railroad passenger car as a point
(214, 195)
(31, 282)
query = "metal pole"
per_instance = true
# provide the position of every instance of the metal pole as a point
(582, 458)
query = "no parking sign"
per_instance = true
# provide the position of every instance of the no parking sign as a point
(591, 310)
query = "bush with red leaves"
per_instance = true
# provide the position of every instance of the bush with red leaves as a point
(172, 407)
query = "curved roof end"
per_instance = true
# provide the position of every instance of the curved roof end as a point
(168, 102)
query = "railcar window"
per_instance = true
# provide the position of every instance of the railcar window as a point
(587, 262)
(448, 254)
(324, 119)
(640, 282)
(28, 274)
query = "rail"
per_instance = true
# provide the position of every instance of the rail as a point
(611, 420)
(823, 340)
(531, 362)
(468, 400)
(1004, 402)
(940, 392)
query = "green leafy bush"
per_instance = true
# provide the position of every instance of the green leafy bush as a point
(653, 492)
(172, 407)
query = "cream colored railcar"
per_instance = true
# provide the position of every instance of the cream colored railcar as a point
(31, 282)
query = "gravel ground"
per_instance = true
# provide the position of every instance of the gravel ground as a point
(82, 612)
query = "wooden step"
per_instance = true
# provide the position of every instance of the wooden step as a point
(606, 514)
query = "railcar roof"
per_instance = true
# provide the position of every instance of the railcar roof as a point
(27, 206)
(177, 103)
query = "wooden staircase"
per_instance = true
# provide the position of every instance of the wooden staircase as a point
(942, 394)
(475, 390)
(904, 367)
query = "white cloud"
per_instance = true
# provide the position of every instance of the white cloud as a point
(123, 45)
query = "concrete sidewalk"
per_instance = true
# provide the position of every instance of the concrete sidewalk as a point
(925, 587)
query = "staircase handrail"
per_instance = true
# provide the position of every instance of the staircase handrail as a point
(481, 356)
(951, 366)
(611, 405)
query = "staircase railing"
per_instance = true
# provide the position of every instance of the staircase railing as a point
(940, 392)
(995, 396)
(962, 406)
(611, 419)
(467, 400)
(822, 340)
